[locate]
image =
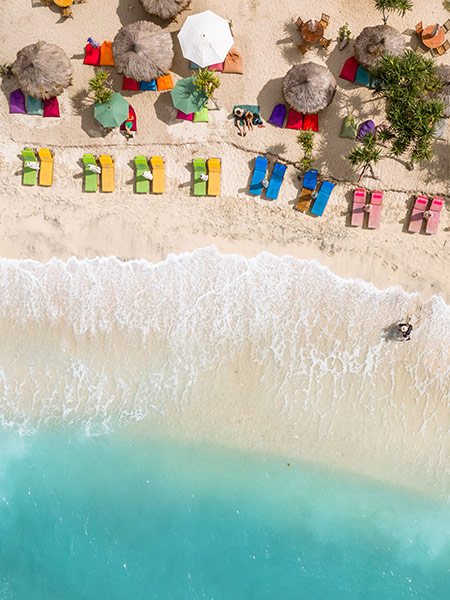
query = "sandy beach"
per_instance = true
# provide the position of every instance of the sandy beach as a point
(63, 220)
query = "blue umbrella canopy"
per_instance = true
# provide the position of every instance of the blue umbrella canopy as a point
(186, 97)
(112, 113)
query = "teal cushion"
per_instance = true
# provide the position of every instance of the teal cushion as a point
(201, 116)
(34, 106)
(362, 76)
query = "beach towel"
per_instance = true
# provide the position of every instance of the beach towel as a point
(365, 128)
(148, 85)
(91, 55)
(349, 127)
(278, 115)
(106, 55)
(202, 116)
(253, 108)
(34, 106)
(185, 117)
(233, 62)
(294, 120)
(362, 76)
(131, 121)
(311, 122)
(130, 84)
(440, 132)
(349, 69)
(164, 83)
(51, 107)
(17, 102)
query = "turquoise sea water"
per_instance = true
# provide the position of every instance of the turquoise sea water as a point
(123, 516)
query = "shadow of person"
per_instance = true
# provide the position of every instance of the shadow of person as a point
(390, 333)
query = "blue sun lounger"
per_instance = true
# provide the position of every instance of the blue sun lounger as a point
(259, 172)
(275, 181)
(310, 179)
(322, 198)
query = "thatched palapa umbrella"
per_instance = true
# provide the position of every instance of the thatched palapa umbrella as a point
(308, 87)
(143, 51)
(42, 70)
(165, 9)
(443, 71)
(374, 42)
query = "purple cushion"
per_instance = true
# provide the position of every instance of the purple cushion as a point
(51, 107)
(17, 102)
(278, 115)
(365, 128)
(184, 116)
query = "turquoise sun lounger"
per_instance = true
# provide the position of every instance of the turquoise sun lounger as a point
(259, 172)
(275, 181)
(322, 198)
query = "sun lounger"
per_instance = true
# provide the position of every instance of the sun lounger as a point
(359, 201)
(158, 182)
(433, 222)
(214, 177)
(142, 184)
(29, 174)
(275, 181)
(375, 210)
(90, 177)
(415, 222)
(322, 198)
(304, 200)
(107, 165)
(46, 170)
(259, 172)
(310, 179)
(199, 183)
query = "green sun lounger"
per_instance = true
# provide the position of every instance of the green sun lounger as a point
(142, 184)
(199, 184)
(29, 174)
(90, 178)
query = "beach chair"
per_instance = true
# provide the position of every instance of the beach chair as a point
(325, 43)
(298, 23)
(214, 177)
(67, 12)
(142, 184)
(107, 165)
(419, 29)
(415, 221)
(310, 179)
(324, 20)
(29, 174)
(158, 172)
(446, 25)
(433, 222)
(442, 49)
(359, 201)
(304, 200)
(303, 47)
(199, 183)
(275, 181)
(259, 172)
(375, 210)
(90, 177)
(322, 198)
(46, 170)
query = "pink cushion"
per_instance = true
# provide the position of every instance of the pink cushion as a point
(130, 84)
(216, 67)
(184, 116)
(294, 120)
(349, 69)
(92, 55)
(51, 107)
(311, 122)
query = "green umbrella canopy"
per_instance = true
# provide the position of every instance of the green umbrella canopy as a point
(186, 97)
(112, 113)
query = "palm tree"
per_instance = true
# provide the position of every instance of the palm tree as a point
(387, 6)
(306, 141)
(207, 82)
(366, 155)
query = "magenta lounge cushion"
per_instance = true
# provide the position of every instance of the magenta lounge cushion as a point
(184, 116)
(294, 120)
(17, 102)
(51, 107)
(278, 115)
(130, 84)
(349, 69)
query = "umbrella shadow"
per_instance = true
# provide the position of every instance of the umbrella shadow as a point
(164, 109)
(84, 107)
(269, 96)
(9, 84)
(130, 11)
(180, 65)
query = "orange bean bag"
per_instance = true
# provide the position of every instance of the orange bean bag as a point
(164, 83)
(106, 55)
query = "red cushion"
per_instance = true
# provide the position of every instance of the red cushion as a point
(311, 122)
(216, 67)
(51, 107)
(130, 84)
(92, 55)
(349, 69)
(131, 120)
(294, 120)
(184, 116)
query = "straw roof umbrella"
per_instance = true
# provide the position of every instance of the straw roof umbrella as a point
(374, 42)
(443, 72)
(165, 9)
(143, 51)
(42, 70)
(308, 87)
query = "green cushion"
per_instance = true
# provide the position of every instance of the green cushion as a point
(349, 127)
(201, 116)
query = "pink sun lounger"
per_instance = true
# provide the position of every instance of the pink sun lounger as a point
(433, 222)
(375, 211)
(359, 201)
(415, 222)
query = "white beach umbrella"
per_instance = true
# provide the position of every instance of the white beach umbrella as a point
(205, 38)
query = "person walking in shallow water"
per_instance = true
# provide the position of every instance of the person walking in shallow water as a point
(404, 330)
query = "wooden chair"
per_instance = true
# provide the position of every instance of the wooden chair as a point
(442, 49)
(446, 25)
(298, 23)
(67, 12)
(324, 20)
(325, 43)
(434, 52)
(419, 28)
(303, 47)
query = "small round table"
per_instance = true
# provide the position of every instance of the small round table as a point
(432, 41)
(312, 31)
